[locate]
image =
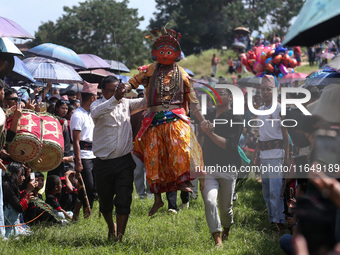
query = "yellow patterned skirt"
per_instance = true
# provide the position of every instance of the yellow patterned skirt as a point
(171, 155)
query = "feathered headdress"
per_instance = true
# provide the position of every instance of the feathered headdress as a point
(164, 36)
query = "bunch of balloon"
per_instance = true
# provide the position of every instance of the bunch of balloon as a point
(274, 60)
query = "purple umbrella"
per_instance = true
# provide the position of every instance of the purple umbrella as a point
(58, 53)
(93, 62)
(9, 28)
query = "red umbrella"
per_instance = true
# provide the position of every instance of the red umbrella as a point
(291, 77)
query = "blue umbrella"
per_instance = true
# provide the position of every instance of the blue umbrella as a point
(58, 53)
(315, 23)
(189, 72)
(20, 71)
(53, 72)
(323, 79)
(8, 47)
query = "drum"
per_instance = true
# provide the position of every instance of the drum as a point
(26, 144)
(52, 150)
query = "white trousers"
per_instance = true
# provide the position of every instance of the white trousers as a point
(218, 194)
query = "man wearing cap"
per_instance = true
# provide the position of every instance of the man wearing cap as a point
(273, 150)
(112, 145)
(81, 127)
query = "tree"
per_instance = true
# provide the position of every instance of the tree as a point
(102, 27)
(282, 14)
(210, 24)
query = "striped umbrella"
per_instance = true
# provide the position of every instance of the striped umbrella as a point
(53, 72)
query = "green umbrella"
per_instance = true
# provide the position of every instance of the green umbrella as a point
(317, 21)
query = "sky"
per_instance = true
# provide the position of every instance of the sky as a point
(30, 14)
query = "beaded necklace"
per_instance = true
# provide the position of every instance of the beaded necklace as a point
(174, 82)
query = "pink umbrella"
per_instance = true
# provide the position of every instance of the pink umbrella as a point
(291, 77)
(9, 28)
(327, 55)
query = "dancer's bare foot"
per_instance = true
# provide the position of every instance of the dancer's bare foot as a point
(155, 207)
(218, 240)
(112, 233)
(186, 187)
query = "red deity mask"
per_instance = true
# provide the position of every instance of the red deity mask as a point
(165, 49)
(166, 55)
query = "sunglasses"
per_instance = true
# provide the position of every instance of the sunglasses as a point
(65, 101)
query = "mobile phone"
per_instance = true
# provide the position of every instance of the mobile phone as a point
(19, 100)
(32, 176)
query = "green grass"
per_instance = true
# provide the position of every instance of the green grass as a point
(184, 233)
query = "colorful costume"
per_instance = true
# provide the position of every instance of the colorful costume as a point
(165, 142)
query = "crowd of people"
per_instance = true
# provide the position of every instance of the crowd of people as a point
(110, 141)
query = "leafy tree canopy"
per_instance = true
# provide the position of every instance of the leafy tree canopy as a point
(102, 27)
(209, 24)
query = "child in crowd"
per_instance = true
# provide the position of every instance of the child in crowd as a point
(53, 187)
(15, 202)
(69, 192)
(34, 211)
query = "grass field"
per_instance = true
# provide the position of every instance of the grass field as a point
(184, 233)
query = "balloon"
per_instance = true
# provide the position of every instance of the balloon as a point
(290, 70)
(270, 68)
(286, 59)
(290, 53)
(292, 63)
(259, 75)
(244, 61)
(251, 62)
(283, 69)
(280, 75)
(263, 57)
(267, 49)
(258, 67)
(271, 53)
(277, 59)
(249, 68)
(251, 55)
(280, 50)
(267, 61)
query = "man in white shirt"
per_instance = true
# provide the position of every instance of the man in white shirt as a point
(81, 127)
(273, 150)
(112, 145)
